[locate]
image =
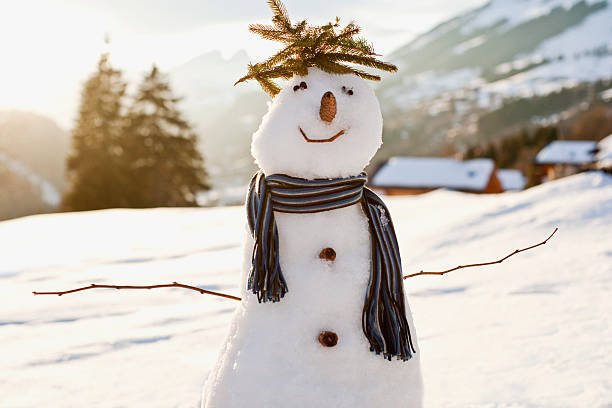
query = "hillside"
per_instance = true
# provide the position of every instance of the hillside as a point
(532, 331)
(37, 142)
(477, 77)
(488, 71)
(33, 151)
(225, 116)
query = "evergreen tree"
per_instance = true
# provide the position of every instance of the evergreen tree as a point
(93, 167)
(165, 165)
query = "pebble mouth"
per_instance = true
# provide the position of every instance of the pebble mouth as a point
(331, 139)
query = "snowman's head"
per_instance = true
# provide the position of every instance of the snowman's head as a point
(319, 126)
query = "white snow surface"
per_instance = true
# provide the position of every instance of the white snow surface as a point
(434, 172)
(511, 179)
(568, 151)
(533, 331)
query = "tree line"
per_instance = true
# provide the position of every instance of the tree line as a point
(139, 154)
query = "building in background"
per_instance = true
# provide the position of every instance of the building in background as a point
(563, 158)
(604, 154)
(418, 175)
(511, 179)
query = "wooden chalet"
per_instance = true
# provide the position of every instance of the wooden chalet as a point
(563, 158)
(418, 175)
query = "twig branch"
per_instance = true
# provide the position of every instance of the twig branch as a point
(167, 285)
(483, 263)
(210, 292)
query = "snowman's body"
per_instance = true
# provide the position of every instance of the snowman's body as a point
(272, 356)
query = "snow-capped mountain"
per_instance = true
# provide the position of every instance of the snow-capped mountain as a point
(37, 142)
(455, 85)
(49, 193)
(205, 83)
(33, 151)
(477, 62)
(224, 115)
(552, 43)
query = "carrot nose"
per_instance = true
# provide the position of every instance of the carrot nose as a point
(328, 107)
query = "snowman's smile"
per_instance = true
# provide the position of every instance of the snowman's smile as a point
(331, 139)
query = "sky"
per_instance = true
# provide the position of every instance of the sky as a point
(49, 47)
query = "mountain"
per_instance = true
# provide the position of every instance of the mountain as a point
(468, 79)
(477, 77)
(206, 84)
(37, 142)
(224, 115)
(33, 151)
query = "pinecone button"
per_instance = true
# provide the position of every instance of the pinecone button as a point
(328, 339)
(328, 254)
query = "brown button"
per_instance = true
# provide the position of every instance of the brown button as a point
(328, 254)
(328, 339)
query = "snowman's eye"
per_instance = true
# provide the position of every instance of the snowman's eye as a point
(347, 91)
(302, 85)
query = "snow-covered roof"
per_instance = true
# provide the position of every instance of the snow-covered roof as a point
(604, 154)
(568, 152)
(434, 172)
(511, 179)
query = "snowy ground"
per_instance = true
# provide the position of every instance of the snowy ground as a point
(534, 331)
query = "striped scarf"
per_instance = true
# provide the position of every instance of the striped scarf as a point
(384, 312)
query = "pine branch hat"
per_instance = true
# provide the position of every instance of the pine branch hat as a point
(311, 46)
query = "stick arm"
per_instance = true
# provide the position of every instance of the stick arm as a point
(516, 251)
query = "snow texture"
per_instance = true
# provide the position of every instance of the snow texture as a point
(570, 57)
(594, 32)
(513, 13)
(322, 295)
(511, 179)
(434, 172)
(533, 331)
(568, 152)
(279, 147)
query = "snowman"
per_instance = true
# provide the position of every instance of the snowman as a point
(323, 320)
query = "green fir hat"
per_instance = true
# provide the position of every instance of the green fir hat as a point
(311, 46)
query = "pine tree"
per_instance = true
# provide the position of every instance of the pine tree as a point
(94, 165)
(161, 149)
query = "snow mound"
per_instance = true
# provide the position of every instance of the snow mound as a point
(532, 331)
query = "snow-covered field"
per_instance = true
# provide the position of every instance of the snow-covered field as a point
(534, 331)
